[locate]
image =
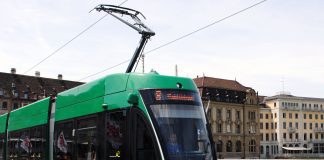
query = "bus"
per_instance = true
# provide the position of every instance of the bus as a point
(118, 117)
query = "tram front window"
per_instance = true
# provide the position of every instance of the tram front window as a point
(180, 119)
(183, 131)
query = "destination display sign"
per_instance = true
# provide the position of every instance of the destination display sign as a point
(170, 96)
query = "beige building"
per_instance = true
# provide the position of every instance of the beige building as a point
(233, 113)
(292, 126)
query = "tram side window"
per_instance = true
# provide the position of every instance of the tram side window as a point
(13, 144)
(144, 141)
(1, 146)
(86, 138)
(63, 140)
(116, 134)
(38, 142)
(24, 144)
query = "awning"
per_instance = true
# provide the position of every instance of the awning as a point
(297, 148)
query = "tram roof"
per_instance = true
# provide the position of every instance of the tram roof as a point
(112, 90)
(120, 82)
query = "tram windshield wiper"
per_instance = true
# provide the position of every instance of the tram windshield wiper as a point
(138, 25)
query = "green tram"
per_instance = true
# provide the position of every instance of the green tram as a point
(119, 117)
(126, 116)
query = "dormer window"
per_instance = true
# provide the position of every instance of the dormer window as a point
(26, 95)
(15, 93)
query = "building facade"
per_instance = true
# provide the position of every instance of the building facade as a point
(295, 127)
(19, 90)
(233, 113)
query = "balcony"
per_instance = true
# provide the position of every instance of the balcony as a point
(291, 108)
(292, 140)
(291, 129)
(319, 130)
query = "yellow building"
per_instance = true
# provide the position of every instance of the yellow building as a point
(233, 113)
(292, 126)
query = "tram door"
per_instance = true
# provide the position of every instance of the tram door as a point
(144, 145)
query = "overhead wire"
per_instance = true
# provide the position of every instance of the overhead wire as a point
(68, 42)
(179, 38)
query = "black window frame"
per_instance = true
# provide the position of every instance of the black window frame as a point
(34, 153)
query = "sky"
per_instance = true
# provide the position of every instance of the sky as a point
(275, 46)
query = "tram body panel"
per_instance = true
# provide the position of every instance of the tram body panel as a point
(29, 116)
(110, 118)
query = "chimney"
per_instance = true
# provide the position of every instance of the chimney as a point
(37, 74)
(60, 76)
(13, 70)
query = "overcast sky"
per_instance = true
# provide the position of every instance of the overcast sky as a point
(275, 41)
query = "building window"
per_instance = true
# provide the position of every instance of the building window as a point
(228, 114)
(4, 105)
(272, 137)
(219, 114)
(275, 125)
(219, 127)
(316, 125)
(305, 116)
(252, 115)
(296, 115)
(261, 137)
(321, 116)
(310, 116)
(229, 146)
(15, 106)
(316, 136)
(267, 116)
(219, 146)
(296, 136)
(274, 104)
(238, 129)
(290, 136)
(284, 125)
(310, 125)
(252, 146)
(305, 125)
(261, 150)
(284, 135)
(283, 115)
(310, 136)
(276, 137)
(272, 125)
(316, 116)
(267, 137)
(271, 115)
(267, 125)
(252, 129)
(238, 115)
(261, 125)
(1, 92)
(305, 136)
(290, 124)
(275, 115)
(290, 115)
(261, 116)
(238, 146)
(296, 125)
